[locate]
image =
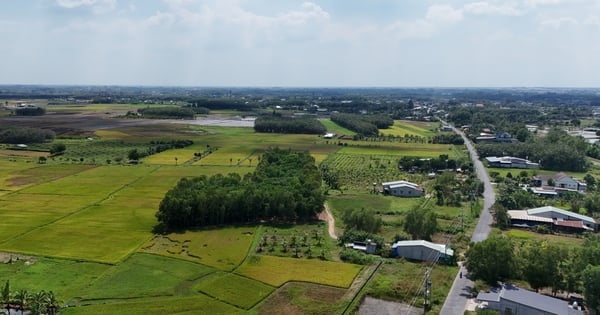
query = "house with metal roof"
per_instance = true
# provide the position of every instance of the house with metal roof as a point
(554, 218)
(510, 299)
(510, 162)
(422, 250)
(402, 188)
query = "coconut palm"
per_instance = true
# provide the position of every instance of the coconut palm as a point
(6, 296)
(22, 296)
(37, 303)
(52, 303)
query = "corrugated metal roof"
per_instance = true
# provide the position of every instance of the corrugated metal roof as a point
(523, 215)
(547, 209)
(438, 247)
(537, 301)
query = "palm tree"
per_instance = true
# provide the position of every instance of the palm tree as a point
(37, 303)
(22, 296)
(6, 296)
(52, 303)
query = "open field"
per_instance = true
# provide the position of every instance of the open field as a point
(88, 225)
(335, 128)
(279, 270)
(234, 289)
(403, 128)
(222, 248)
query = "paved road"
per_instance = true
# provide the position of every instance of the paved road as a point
(457, 298)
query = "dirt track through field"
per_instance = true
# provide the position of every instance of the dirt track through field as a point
(326, 216)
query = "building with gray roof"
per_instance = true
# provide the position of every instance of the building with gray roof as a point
(513, 300)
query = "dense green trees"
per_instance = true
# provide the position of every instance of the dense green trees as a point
(420, 223)
(540, 263)
(30, 111)
(362, 219)
(279, 124)
(16, 135)
(492, 260)
(286, 186)
(364, 125)
(58, 148)
(556, 151)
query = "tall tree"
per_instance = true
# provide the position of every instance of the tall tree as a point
(591, 286)
(492, 260)
(420, 223)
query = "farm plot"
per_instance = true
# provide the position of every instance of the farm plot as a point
(108, 228)
(37, 174)
(231, 156)
(144, 275)
(335, 128)
(223, 248)
(97, 151)
(358, 172)
(233, 289)
(304, 298)
(279, 270)
(299, 241)
(403, 128)
(197, 304)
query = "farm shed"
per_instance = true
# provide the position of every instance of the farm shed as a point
(554, 218)
(421, 250)
(402, 188)
(512, 300)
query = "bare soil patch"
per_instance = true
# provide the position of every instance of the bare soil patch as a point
(303, 298)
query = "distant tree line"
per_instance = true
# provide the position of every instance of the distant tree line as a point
(30, 111)
(364, 125)
(199, 110)
(157, 147)
(556, 151)
(18, 134)
(278, 124)
(285, 186)
(175, 112)
(224, 103)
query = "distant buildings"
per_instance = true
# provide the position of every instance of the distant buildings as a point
(510, 162)
(402, 188)
(494, 138)
(559, 181)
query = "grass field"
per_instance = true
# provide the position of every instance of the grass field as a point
(403, 128)
(304, 298)
(335, 128)
(279, 270)
(188, 305)
(144, 275)
(222, 248)
(234, 289)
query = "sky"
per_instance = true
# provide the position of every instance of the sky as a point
(288, 43)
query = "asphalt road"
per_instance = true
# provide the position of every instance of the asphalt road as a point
(456, 301)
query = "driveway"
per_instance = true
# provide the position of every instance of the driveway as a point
(460, 293)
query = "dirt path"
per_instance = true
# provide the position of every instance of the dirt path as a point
(326, 216)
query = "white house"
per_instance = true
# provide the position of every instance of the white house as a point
(510, 162)
(561, 181)
(421, 250)
(513, 300)
(402, 188)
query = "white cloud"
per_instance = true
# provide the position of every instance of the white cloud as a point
(557, 23)
(99, 6)
(537, 3)
(443, 13)
(486, 8)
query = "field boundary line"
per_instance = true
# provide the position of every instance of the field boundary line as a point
(362, 287)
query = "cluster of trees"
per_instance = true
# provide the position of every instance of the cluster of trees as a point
(448, 138)
(278, 124)
(362, 220)
(224, 103)
(30, 111)
(18, 134)
(425, 165)
(175, 112)
(58, 148)
(556, 151)
(541, 264)
(420, 224)
(364, 125)
(285, 186)
(199, 110)
(33, 303)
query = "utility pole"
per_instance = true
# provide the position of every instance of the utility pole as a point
(426, 305)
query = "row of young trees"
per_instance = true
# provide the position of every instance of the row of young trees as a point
(364, 125)
(18, 134)
(541, 264)
(285, 186)
(278, 124)
(175, 112)
(39, 303)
